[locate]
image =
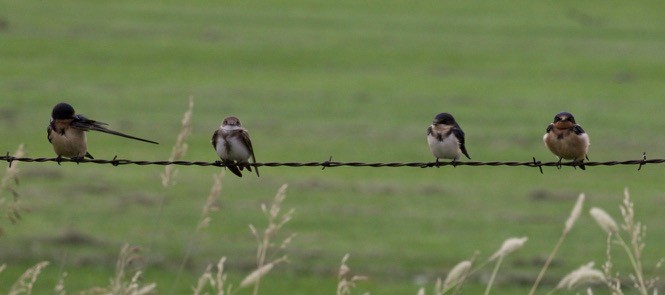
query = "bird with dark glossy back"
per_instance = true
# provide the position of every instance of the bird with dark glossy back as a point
(66, 132)
(567, 140)
(446, 138)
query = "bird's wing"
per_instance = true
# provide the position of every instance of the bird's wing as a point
(429, 130)
(549, 128)
(244, 136)
(48, 131)
(578, 129)
(83, 123)
(233, 167)
(457, 131)
(214, 139)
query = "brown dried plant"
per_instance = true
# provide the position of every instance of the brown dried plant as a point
(25, 283)
(9, 183)
(123, 283)
(180, 147)
(346, 281)
(216, 282)
(633, 247)
(570, 222)
(209, 206)
(266, 250)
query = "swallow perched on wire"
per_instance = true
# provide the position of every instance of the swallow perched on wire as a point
(446, 138)
(567, 140)
(232, 144)
(66, 132)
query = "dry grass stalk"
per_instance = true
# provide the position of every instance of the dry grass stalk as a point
(125, 259)
(633, 249)
(255, 276)
(220, 278)
(121, 284)
(211, 201)
(346, 282)
(275, 222)
(128, 255)
(59, 288)
(209, 206)
(604, 220)
(585, 274)
(204, 280)
(574, 215)
(438, 287)
(456, 276)
(216, 282)
(24, 284)
(180, 147)
(637, 234)
(509, 246)
(8, 183)
(612, 281)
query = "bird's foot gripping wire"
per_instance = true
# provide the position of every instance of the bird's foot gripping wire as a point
(579, 163)
(77, 159)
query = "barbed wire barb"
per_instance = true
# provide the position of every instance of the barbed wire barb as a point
(538, 164)
(329, 163)
(9, 159)
(644, 161)
(114, 161)
(326, 163)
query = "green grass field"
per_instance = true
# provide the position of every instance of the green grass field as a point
(355, 80)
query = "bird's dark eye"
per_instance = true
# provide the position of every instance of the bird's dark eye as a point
(557, 119)
(225, 123)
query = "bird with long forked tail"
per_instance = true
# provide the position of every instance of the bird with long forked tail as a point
(66, 132)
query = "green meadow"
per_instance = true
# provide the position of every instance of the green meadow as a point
(355, 80)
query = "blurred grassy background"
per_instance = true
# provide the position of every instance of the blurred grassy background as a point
(358, 80)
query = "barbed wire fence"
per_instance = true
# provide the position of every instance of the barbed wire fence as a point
(330, 163)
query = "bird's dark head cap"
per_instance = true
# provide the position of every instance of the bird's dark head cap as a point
(444, 118)
(233, 121)
(62, 111)
(564, 116)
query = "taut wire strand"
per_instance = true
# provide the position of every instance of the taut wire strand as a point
(329, 163)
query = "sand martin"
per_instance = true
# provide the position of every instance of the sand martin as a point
(232, 144)
(446, 138)
(66, 132)
(567, 140)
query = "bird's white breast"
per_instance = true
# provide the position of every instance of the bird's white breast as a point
(448, 148)
(71, 144)
(237, 150)
(570, 147)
